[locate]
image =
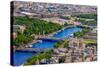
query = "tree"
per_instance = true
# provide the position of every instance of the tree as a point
(38, 58)
(65, 24)
(66, 44)
(34, 26)
(62, 59)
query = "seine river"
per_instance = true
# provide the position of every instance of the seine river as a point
(21, 57)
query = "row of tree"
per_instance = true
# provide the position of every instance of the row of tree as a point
(62, 44)
(87, 16)
(82, 33)
(37, 58)
(33, 26)
(37, 26)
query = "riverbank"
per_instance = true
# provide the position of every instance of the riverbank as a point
(29, 45)
(51, 34)
(47, 44)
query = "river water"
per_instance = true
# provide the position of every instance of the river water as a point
(21, 57)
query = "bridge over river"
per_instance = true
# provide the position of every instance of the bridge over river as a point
(51, 38)
(55, 38)
(34, 50)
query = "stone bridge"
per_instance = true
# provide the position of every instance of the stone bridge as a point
(34, 50)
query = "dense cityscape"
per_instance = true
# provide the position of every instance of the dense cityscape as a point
(51, 33)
